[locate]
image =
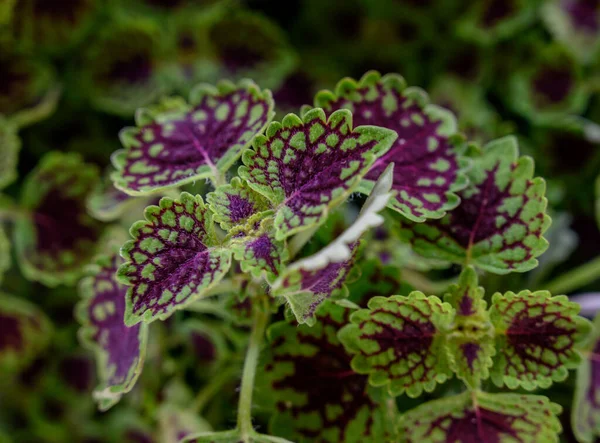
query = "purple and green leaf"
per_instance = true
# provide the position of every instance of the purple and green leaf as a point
(318, 395)
(470, 338)
(575, 23)
(192, 141)
(548, 87)
(536, 338)
(427, 153)
(483, 417)
(488, 21)
(307, 166)
(58, 238)
(585, 416)
(234, 204)
(399, 342)
(501, 220)
(37, 25)
(10, 145)
(259, 252)
(173, 259)
(25, 331)
(120, 350)
(29, 91)
(310, 281)
(123, 68)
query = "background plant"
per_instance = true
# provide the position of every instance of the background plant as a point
(367, 262)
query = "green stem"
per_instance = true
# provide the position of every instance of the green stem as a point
(212, 388)
(244, 418)
(576, 278)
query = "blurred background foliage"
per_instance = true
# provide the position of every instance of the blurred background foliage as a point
(73, 72)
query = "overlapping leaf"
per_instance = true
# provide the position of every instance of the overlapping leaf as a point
(481, 417)
(318, 395)
(173, 259)
(10, 145)
(501, 220)
(399, 342)
(191, 141)
(310, 281)
(306, 166)
(536, 338)
(470, 339)
(585, 416)
(120, 350)
(24, 333)
(107, 203)
(58, 238)
(426, 154)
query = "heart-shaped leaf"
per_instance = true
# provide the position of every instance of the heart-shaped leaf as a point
(536, 338)
(307, 166)
(585, 416)
(399, 342)
(470, 340)
(173, 259)
(24, 333)
(188, 142)
(310, 281)
(120, 350)
(481, 417)
(10, 145)
(428, 165)
(59, 238)
(499, 224)
(318, 395)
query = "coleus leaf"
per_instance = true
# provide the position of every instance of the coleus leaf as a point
(500, 223)
(59, 238)
(30, 90)
(173, 259)
(310, 281)
(476, 416)
(491, 20)
(585, 416)
(307, 166)
(318, 395)
(536, 338)
(188, 142)
(428, 164)
(10, 145)
(548, 87)
(260, 252)
(234, 204)
(399, 342)
(120, 350)
(122, 69)
(25, 331)
(576, 23)
(37, 27)
(470, 339)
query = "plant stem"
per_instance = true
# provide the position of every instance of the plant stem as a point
(244, 418)
(212, 388)
(576, 278)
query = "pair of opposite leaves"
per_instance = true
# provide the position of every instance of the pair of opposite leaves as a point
(302, 168)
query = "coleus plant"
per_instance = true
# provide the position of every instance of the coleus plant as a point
(336, 365)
